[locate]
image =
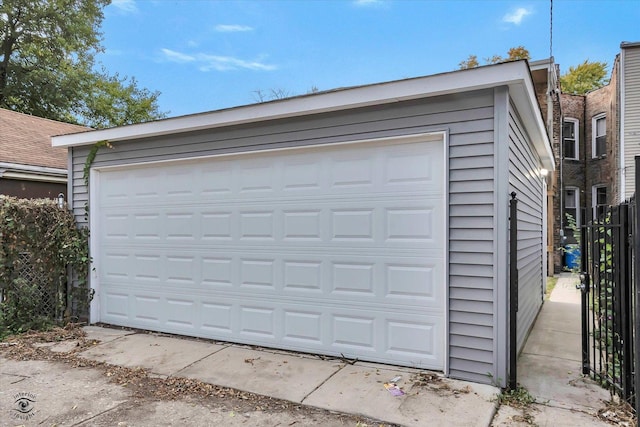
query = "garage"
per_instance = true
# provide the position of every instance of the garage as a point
(369, 222)
(336, 249)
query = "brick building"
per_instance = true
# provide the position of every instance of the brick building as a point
(595, 148)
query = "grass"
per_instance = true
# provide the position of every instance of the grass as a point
(551, 283)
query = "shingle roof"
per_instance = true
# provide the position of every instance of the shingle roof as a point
(25, 139)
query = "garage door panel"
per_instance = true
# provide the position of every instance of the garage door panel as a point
(336, 250)
(411, 339)
(393, 279)
(370, 334)
(368, 223)
(381, 169)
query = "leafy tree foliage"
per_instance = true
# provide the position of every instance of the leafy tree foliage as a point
(584, 77)
(513, 54)
(47, 58)
(470, 62)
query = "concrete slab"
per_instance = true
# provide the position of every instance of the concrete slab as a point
(59, 395)
(559, 316)
(59, 347)
(565, 290)
(543, 416)
(163, 356)
(556, 417)
(559, 383)
(278, 375)
(105, 334)
(187, 412)
(360, 390)
(509, 416)
(545, 342)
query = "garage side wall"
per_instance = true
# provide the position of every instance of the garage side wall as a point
(525, 180)
(469, 120)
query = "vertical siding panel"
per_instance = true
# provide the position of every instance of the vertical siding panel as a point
(631, 76)
(471, 219)
(525, 180)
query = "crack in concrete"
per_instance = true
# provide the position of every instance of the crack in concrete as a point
(322, 383)
(99, 414)
(199, 360)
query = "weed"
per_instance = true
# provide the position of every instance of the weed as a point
(517, 398)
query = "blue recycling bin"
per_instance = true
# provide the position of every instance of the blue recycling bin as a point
(572, 256)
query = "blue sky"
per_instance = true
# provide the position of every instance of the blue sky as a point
(205, 55)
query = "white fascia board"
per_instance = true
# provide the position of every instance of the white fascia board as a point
(41, 170)
(524, 97)
(511, 73)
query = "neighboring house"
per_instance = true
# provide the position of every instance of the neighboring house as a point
(600, 137)
(545, 74)
(627, 75)
(29, 166)
(370, 222)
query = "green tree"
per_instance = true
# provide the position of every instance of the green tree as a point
(584, 77)
(513, 54)
(114, 101)
(470, 62)
(47, 59)
(518, 52)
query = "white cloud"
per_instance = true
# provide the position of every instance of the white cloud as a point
(222, 28)
(225, 63)
(516, 16)
(368, 2)
(206, 62)
(126, 6)
(174, 56)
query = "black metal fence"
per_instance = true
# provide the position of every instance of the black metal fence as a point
(608, 308)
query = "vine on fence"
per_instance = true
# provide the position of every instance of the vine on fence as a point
(52, 242)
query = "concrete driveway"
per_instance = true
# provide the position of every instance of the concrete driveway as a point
(225, 384)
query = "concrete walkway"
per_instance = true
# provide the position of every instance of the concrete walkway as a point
(549, 366)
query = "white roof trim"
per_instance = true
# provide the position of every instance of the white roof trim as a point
(514, 74)
(32, 173)
(41, 170)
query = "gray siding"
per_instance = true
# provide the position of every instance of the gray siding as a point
(631, 118)
(469, 120)
(471, 273)
(525, 180)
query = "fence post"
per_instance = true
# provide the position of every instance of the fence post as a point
(626, 294)
(636, 283)
(513, 292)
(584, 296)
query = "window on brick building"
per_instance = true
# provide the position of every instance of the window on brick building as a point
(599, 200)
(571, 211)
(570, 139)
(599, 131)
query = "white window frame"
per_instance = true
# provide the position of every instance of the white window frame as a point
(576, 136)
(594, 134)
(576, 200)
(594, 193)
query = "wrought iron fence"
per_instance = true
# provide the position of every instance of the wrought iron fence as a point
(607, 299)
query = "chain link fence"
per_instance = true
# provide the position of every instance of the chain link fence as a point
(46, 297)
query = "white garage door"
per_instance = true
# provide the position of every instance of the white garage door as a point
(335, 250)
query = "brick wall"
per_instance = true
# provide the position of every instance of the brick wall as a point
(600, 170)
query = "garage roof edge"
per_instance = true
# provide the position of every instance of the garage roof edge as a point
(514, 74)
